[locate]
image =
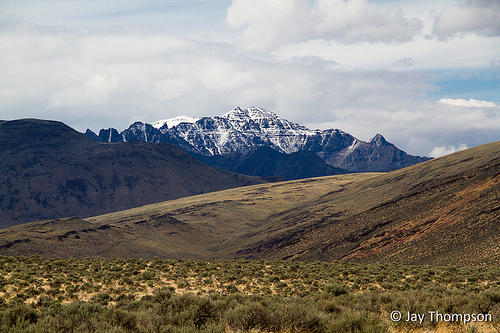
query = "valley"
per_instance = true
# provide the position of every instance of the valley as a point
(183, 228)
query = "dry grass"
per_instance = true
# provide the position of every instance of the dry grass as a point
(184, 228)
(337, 294)
(250, 203)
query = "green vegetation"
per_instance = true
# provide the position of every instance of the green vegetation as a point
(135, 295)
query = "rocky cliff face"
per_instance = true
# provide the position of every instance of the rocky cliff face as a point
(243, 130)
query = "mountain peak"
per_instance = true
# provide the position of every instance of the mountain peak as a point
(36, 132)
(264, 118)
(379, 141)
(251, 113)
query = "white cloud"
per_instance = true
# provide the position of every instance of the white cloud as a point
(94, 91)
(495, 65)
(270, 24)
(445, 150)
(222, 76)
(110, 78)
(428, 54)
(358, 20)
(471, 103)
(404, 62)
(481, 17)
(171, 88)
(129, 44)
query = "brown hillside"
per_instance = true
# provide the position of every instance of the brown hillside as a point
(182, 228)
(445, 211)
(48, 170)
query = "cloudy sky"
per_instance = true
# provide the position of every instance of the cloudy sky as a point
(425, 74)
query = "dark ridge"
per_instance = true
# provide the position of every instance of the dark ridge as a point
(267, 162)
(48, 170)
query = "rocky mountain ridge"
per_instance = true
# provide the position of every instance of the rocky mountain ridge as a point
(243, 130)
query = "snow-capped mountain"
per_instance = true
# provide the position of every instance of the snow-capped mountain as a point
(243, 130)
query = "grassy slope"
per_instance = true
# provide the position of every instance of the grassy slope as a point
(186, 227)
(443, 211)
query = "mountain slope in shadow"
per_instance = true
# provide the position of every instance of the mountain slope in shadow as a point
(267, 162)
(48, 170)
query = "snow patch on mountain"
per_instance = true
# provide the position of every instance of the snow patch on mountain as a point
(172, 122)
(353, 145)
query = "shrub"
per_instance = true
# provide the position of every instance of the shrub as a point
(204, 312)
(335, 289)
(246, 317)
(231, 289)
(357, 322)
(19, 316)
(121, 318)
(101, 298)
